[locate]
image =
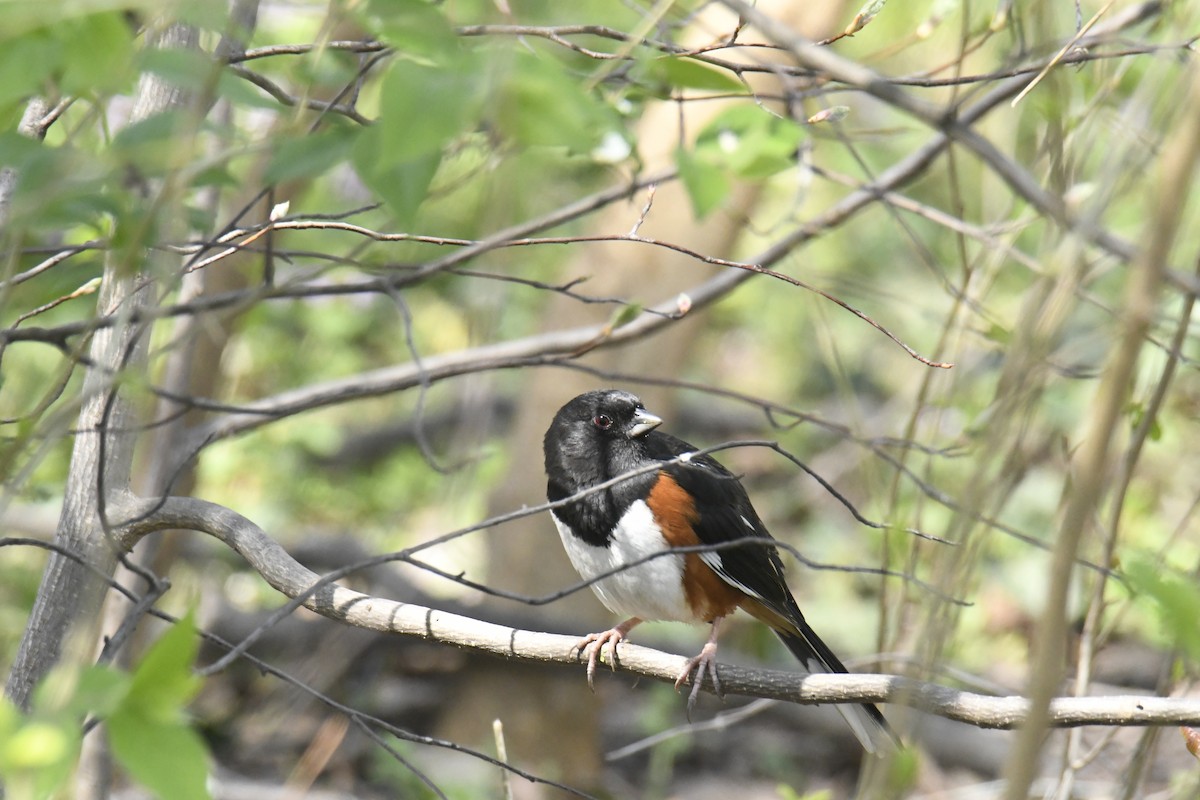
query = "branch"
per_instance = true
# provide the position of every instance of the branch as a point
(958, 123)
(557, 345)
(291, 578)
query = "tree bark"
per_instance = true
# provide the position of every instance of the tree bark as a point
(100, 462)
(70, 593)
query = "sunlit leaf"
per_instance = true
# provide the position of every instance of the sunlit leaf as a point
(36, 753)
(37, 745)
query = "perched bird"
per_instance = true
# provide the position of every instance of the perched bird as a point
(674, 498)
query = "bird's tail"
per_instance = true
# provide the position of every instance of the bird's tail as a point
(865, 720)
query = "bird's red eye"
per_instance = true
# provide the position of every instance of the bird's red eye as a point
(602, 421)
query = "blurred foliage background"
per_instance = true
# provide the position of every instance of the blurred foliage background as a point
(338, 190)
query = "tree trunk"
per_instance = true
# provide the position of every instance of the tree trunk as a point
(101, 463)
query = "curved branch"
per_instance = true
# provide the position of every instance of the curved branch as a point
(388, 616)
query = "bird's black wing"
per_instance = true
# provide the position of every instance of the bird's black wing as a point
(724, 515)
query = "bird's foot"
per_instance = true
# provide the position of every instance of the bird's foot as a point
(603, 646)
(704, 663)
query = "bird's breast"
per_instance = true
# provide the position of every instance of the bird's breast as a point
(651, 588)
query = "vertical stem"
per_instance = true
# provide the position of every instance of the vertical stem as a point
(1092, 464)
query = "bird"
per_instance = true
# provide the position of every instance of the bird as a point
(660, 494)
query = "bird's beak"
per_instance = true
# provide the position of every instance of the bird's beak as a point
(643, 423)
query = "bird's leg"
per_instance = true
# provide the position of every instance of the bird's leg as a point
(596, 644)
(705, 661)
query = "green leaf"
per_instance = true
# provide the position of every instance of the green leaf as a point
(188, 69)
(624, 315)
(76, 692)
(16, 150)
(154, 145)
(148, 729)
(27, 62)
(903, 769)
(100, 692)
(706, 185)
(750, 141)
(213, 17)
(688, 73)
(310, 155)
(168, 758)
(1176, 598)
(36, 754)
(998, 333)
(37, 745)
(402, 185)
(56, 186)
(415, 28)
(215, 175)
(97, 54)
(241, 92)
(542, 105)
(19, 17)
(422, 108)
(1137, 415)
(163, 682)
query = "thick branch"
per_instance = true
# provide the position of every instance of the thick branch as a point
(388, 616)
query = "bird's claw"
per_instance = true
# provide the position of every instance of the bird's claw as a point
(600, 646)
(703, 663)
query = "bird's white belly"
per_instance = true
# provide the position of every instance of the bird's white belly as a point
(652, 590)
